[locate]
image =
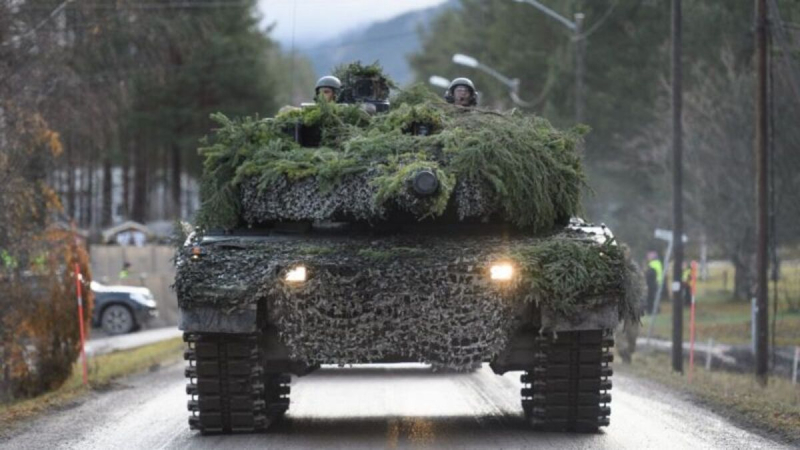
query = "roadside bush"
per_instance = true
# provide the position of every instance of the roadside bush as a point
(40, 330)
(38, 320)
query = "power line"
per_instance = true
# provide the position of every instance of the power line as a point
(177, 5)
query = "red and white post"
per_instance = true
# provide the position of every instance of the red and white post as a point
(693, 287)
(794, 364)
(79, 291)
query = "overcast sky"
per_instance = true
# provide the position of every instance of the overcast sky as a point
(317, 20)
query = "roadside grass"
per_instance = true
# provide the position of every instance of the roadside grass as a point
(727, 320)
(102, 370)
(774, 408)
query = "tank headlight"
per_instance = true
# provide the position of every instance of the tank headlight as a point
(501, 271)
(296, 275)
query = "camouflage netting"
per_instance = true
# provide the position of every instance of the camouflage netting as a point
(416, 297)
(427, 299)
(507, 167)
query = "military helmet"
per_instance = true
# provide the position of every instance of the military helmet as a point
(328, 81)
(461, 81)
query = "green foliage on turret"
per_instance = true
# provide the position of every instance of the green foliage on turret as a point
(567, 275)
(532, 171)
(359, 70)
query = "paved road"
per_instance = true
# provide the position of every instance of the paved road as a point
(377, 407)
(100, 343)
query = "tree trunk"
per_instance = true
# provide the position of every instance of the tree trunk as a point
(106, 214)
(127, 150)
(744, 263)
(89, 206)
(175, 181)
(123, 145)
(70, 178)
(139, 212)
(81, 190)
(6, 385)
(164, 168)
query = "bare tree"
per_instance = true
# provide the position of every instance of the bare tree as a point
(719, 161)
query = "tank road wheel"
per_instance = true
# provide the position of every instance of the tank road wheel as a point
(567, 389)
(228, 388)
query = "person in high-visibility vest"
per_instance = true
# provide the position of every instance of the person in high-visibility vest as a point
(39, 263)
(124, 273)
(654, 276)
(9, 262)
(686, 283)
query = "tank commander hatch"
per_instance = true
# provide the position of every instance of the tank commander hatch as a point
(461, 92)
(327, 88)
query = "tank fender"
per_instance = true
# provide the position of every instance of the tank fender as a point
(598, 318)
(216, 320)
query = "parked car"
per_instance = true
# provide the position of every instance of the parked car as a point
(122, 309)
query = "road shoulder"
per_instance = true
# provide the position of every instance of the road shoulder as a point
(103, 373)
(773, 413)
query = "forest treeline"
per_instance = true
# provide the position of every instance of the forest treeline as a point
(129, 86)
(103, 103)
(122, 90)
(626, 97)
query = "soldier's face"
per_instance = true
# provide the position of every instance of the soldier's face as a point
(327, 94)
(462, 95)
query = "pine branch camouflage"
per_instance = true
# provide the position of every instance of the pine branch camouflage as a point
(425, 298)
(490, 166)
(375, 294)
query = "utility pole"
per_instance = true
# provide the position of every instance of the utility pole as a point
(580, 54)
(761, 190)
(677, 187)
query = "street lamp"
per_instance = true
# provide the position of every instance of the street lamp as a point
(580, 48)
(512, 83)
(438, 81)
(465, 60)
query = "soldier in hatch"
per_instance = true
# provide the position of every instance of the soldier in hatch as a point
(461, 92)
(327, 88)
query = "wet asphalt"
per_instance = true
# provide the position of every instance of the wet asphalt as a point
(388, 406)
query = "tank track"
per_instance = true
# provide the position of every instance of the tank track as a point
(229, 389)
(567, 388)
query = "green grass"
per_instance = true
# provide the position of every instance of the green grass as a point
(774, 408)
(725, 319)
(102, 370)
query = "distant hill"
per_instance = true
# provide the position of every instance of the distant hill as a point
(388, 42)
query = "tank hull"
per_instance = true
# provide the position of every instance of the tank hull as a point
(411, 297)
(400, 297)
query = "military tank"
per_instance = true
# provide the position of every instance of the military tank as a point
(425, 232)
